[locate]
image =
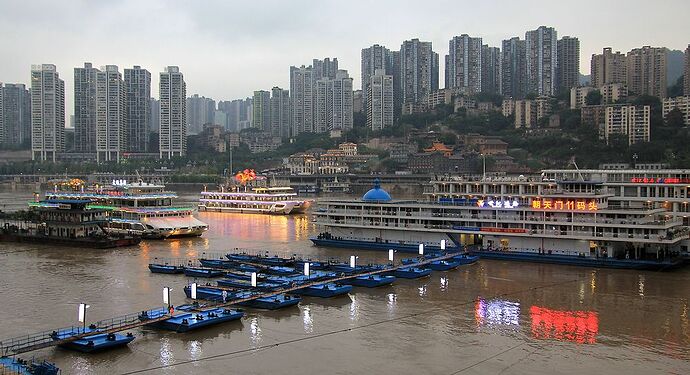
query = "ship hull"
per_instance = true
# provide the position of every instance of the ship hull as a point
(106, 243)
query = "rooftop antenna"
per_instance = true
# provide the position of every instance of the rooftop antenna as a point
(577, 169)
(139, 179)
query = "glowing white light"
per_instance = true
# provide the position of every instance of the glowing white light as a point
(421, 249)
(353, 261)
(82, 312)
(166, 295)
(254, 279)
(390, 255)
(193, 290)
(306, 268)
(443, 244)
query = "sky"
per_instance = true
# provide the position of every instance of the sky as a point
(226, 49)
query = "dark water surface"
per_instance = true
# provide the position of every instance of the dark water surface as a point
(490, 317)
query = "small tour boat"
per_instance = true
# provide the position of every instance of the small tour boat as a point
(19, 366)
(275, 302)
(412, 272)
(202, 272)
(192, 320)
(165, 268)
(327, 290)
(444, 265)
(370, 281)
(93, 343)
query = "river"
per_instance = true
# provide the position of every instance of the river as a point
(490, 317)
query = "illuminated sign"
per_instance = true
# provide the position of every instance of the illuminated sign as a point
(498, 203)
(503, 230)
(119, 182)
(581, 327)
(659, 180)
(565, 204)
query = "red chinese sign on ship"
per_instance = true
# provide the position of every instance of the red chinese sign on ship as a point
(565, 204)
(245, 176)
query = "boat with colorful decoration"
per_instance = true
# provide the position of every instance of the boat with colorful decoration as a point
(139, 208)
(251, 194)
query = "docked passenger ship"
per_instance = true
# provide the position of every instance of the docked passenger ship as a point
(259, 200)
(138, 208)
(562, 216)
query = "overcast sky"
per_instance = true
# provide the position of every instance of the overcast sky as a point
(227, 49)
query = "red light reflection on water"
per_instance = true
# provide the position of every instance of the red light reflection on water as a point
(580, 327)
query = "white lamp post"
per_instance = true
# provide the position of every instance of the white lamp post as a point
(421, 249)
(82, 315)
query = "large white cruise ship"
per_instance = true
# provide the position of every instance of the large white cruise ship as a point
(562, 216)
(138, 208)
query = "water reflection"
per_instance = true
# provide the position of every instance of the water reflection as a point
(194, 348)
(255, 332)
(278, 228)
(167, 356)
(444, 284)
(81, 366)
(354, 309)
(581, 327)
(392, 299)
(307, 320)
(497, 312)
(422, 291)
(640, 286)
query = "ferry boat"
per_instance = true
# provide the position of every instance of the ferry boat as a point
(247, 195)
(573, 221)
(67, 222)
(138, 208)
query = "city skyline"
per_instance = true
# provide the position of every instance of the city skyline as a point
(261, 58)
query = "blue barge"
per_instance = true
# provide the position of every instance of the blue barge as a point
(92, 343)
(412, 272)
(191, 320)
(202, 272)
(245, 284)
(327, 290)
(22, 367)
(268, 303)
(370, 281)
(165, 268)
(443, 265)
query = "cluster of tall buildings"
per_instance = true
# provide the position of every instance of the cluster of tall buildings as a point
(15, 115)
(643, 70)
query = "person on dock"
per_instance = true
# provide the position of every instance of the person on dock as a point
(171, 309)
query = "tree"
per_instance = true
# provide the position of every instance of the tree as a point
(674, 118)
(676, 89)
(593, 98)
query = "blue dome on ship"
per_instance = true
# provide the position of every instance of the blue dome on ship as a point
(377, 194)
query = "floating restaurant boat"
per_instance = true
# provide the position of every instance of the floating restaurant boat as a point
(202, 272)
(138, 208)
(192, 320)
(67, 222)
(92, 343)
(21, 367)
(241, 198)
(327, 290)
(166, 268)
(370, 281)
(595, 218)
(412, 272)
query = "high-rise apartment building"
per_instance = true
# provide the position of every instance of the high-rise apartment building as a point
(326, 68)
(686, 73)
(111, 115)
(173, 114)
(380, 101)
(514, 68)
(374, 58)
(155, 116)
(628, 120)
(682, 103)
(47, 113)
(15, 115)
(542, 59)
(280, 112)
(491, 69)
(568, 63)
(139, 123)
(464, 64)
(646, 71)
(85, 108)
(418, 70)
(200, 111)
(333, 102)
(262, 110)
(301, 91)
(608, 67)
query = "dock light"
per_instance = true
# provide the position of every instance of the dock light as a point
(443, 244)
(421, 249)
(390, 255)
(82, 314)
(352, 261)
(166, 295)
(306, 268)
(254, 279)
(193, 294)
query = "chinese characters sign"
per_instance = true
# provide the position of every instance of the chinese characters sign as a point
(565, 204)
(659, 180)
(498, 204)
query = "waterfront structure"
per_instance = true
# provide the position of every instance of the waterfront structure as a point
(568, 63)
(646, 71)
(111, 116)
(379, 101)
(514, 68)
(562, 215)
(200, 111)
(85, 108)
(608, 67)
(173, 117)
(375, 58)
(301, 91)
(491, 69)
(262, 110)
(139, 111)
(333, 103)
(541, 60)
(464, 64)
(682, 103)
(47, 113)
(628, 120)
(280, 112)
(418, 70)
(15, 115)
(686, 72)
